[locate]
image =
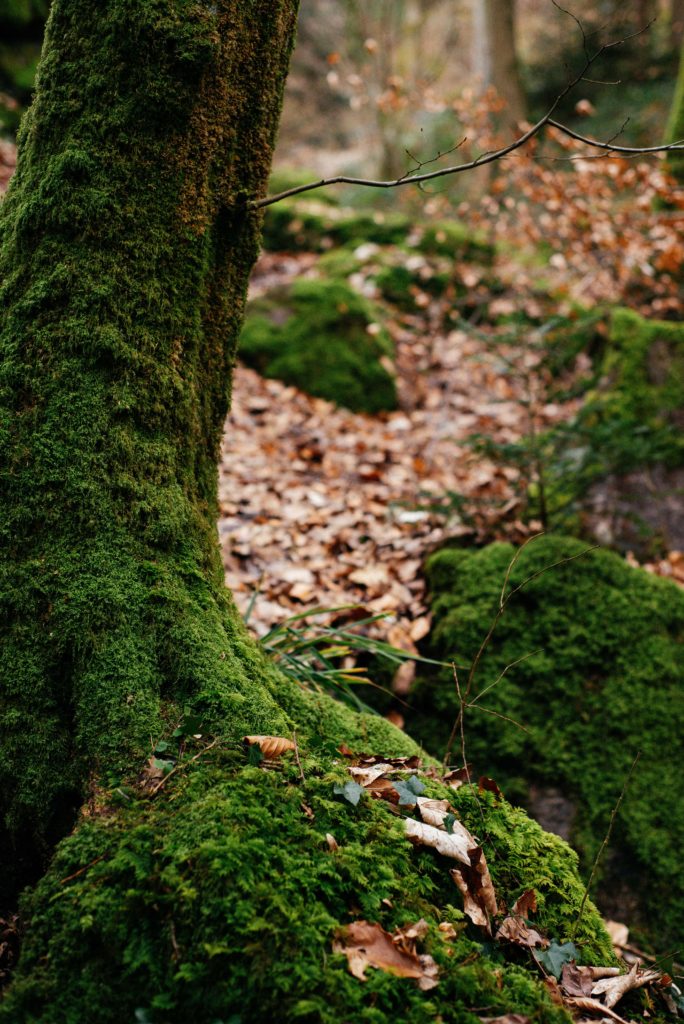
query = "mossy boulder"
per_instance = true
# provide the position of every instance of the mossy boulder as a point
(314, 225)
(606, 681)
(223, 895)
(326, 339)
(630, 436)
(451, 238)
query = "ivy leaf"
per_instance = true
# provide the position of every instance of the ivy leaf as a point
(162, 746)
(449, 823)
(351, 791)
(555, 957)
(162, 765)
(409, 790)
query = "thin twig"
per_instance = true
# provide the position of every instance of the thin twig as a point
(183, 764)
(631, 150)
(606, 840)
(70, 878)
(497, 714)
(296, 754)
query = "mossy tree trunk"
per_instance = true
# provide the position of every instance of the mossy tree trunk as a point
(675, 124)
(125, 251)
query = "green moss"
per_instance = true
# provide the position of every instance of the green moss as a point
(605, 683)
(633, 416)
(450, 238)
(221, 896)
(316, 336)
(313, 225)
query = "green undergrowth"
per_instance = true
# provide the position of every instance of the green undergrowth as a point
(604, 683)
(315, 225)
(326, 339)
(220, 897)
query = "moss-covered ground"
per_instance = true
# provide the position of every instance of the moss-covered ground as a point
(220, 897)
(606, 682)
(325, 338)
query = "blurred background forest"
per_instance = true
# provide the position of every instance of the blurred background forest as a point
(457, 368)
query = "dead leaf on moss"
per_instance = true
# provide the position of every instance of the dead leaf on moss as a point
(331, 841)
(270, 746)
(576, 981)
(366, 776)
(369, 945)
(619, 933)
(518, 932)
(447, 929)
(434, 812)
(485, 784)
(525, 904)
(454, 845)
(595, 1007)
(459, 776)
(507, 1018)
(613, 989)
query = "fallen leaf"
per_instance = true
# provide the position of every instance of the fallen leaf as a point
(366, 776)
(447, 929)
(517, 931)
(455, 845)
(619, 933)
(507, 1018)
(331, 841)
(525, 904)
(459, 776)
(270, 746)
(576, 981)
(434, 812)
(369, 945)
(488, 785)
(613, 989)
(594, 1006)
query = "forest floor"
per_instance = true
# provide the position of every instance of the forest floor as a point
(322, 507)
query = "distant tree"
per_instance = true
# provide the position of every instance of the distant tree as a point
(675, 124)
(495, 58)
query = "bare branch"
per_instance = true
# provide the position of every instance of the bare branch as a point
(493, 155)
(630, 150)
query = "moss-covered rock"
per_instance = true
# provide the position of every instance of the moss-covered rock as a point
(451, 238)
(314, 225)
(606, 681)
(326, 339)
(221, 895)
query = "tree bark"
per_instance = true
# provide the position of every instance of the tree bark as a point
(495, 60)
(675, 125)
(126, 248)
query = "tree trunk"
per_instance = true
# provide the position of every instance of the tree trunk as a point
(676, 23)
(675, 125)
(215, 892)
(495, 60)
(126, 248)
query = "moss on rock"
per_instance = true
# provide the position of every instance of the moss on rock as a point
(326, 339)
(314, 225)
(451, 238)
(605, 683)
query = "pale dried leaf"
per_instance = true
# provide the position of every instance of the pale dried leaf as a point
(594, 1006)
(331, 841)
(576, 981)
(433, 812)
(619, 933)
(613, 989)
(270, 746)
(366, 776)
(455, 845)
